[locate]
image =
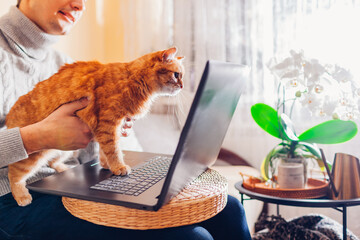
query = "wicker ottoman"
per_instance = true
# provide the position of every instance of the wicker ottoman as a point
(202, 199)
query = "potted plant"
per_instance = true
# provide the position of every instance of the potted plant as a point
(325, 90)
(295, 148)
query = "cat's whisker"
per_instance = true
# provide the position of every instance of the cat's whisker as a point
(170, 110)
(179, 109)
(180, 103)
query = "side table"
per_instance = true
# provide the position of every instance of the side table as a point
(340, 205)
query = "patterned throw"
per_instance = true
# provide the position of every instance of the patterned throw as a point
(312, 227)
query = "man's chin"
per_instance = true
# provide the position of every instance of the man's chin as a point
(62, 31)
(59, 28)
(65, 29)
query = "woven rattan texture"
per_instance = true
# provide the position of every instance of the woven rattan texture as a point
(202, 199)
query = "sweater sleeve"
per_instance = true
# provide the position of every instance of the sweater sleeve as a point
(11, 147)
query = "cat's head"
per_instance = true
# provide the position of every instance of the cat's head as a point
(169, 72)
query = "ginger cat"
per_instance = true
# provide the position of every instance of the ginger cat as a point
(115, 91)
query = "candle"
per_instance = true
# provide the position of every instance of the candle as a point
(290, 175)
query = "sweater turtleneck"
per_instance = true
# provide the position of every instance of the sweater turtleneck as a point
(24, 36)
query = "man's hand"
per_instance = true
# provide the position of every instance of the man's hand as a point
(61, 130)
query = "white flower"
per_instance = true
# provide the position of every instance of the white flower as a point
(311, 101)
(283, 65)
(298, 58)
(329, 105)
(341, 74)
(350, 115)
(288, 68)
(347, 101)
(282, 69)
(294, 73)
(313, 70)
(324, 89)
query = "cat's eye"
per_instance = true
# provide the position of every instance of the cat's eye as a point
(176, 75)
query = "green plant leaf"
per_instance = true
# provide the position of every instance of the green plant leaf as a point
(267, 118)
(315, 151)
(330, 132)
(312, 148)
(288, 128)
(266, 163)
(278, 149)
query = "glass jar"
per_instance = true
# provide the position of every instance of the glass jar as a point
(289, 173)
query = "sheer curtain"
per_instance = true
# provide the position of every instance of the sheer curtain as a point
(246, 32)
(250, 33)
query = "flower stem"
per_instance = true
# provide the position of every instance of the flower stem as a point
(278, 94)
(290, 99)
(292, 107)
(283, 100)
(292, 149)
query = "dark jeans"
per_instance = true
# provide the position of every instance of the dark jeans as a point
(46, 218)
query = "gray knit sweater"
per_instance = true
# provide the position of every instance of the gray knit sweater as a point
(25, 59)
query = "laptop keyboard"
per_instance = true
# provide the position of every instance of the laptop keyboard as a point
(139, 180)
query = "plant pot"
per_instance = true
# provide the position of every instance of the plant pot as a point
(289, 173)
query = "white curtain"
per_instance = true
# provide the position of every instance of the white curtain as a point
(250, 33)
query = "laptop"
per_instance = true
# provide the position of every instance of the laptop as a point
(199, 144)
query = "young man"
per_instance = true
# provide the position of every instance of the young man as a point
(26, 34)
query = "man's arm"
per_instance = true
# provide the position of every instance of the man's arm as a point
(61, 130)
(11, 147)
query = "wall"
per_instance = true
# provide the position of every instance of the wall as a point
(5, 5)
(98, 35)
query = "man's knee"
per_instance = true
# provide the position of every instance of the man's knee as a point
(234, 205)
(192, 232)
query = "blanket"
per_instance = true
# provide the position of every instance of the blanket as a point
(312, 227)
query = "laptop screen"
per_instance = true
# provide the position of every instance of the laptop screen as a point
(208, 120)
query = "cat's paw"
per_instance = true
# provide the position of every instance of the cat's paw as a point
(103, 160)
(104, 164)
(60, 167)
(23, 200)
(121, 170)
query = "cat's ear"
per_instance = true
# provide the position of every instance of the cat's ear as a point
(180, 59)
(169, 54)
